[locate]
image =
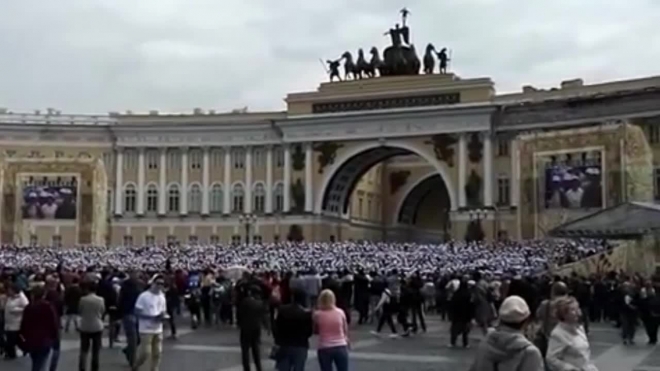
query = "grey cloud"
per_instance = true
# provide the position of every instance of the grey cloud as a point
(82, 56)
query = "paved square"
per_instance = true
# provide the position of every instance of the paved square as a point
(218, 350)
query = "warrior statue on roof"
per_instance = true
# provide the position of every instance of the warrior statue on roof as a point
(400, 58)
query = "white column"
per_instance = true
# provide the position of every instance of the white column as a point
(309, 189)
(205, 181)
(119, 182)
(462, 169)
(515, 176)
(162, 179)
(269, 180)
(227, 180)
(488, 170)
(287, 179)
(183, 196)
(141, 170)
(247, 205)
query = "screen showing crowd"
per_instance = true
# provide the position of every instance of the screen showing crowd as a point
(50, 198)
(574, 181)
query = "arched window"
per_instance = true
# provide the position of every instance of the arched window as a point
(217, 199)
(278, 196)
(152, 198)
(238, 196)
(195, 199)
(129, 198)
(259, 198)
(173, 198)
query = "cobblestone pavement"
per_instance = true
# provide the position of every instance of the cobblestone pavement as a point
(217, 350)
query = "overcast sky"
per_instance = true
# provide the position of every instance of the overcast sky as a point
(173, 55)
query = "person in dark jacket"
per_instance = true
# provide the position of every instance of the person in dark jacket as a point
(251, 316)
(462, 310)
(40, 328)
(128, 294)
(72, 296)
(55, 296)
(293, 328)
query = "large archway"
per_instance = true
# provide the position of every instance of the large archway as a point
(342, 177)
(425, 204)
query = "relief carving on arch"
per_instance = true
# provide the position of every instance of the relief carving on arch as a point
(443, 147)
(327, 154)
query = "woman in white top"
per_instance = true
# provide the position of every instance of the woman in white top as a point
(568, 347)
(16, 303)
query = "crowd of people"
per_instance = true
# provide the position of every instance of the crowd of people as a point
(525, 257)
(296, 290)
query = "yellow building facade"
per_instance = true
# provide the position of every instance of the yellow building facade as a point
(389, 158)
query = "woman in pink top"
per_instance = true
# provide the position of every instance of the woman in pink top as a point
(331, 326)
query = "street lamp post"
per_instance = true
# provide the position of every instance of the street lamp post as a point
(247, 220)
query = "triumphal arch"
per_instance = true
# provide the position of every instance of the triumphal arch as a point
(393, 147)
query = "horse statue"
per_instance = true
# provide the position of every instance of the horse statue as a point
(376, 64)
(362, 65)
(429, 60)
(350, 68)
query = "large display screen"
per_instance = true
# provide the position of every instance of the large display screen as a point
(49, 197)
(573, 180)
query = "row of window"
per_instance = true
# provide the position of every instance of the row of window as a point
(195, 158)
(216, 198)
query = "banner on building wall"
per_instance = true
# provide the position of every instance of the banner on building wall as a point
(573, 180)
(49, 197)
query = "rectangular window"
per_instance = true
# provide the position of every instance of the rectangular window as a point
(279, 157)
(502, 147)
(196, 159)
(171, 240)
(192, 239)
(256, 239)
(258, 158)
(236, 239)
(238, 158)
(173, 158)
(217, 158)
(108, 160)
(656, 183)
(653, 133)
(34, 240)
(128, 240)
(214, 239)
(152, 159)
(149, 240)
(57, 241)
(130, 159)
(503, 191)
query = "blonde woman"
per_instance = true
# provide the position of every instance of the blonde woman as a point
(332, 328)
(568, 347)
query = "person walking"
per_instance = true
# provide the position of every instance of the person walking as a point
(568, 347)
(91, 309)
(292, 330)
(15, 305)
(251, 316)
(151, 311)
(332, 328)
(39, 328)
(506, 348)
(128, 295)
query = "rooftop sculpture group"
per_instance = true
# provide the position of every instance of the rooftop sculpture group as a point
(399, 59)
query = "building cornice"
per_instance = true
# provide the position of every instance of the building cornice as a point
(387, 123)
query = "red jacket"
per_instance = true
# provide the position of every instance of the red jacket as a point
(39, 326)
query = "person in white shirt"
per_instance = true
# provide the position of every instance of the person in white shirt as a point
(151, 311)
(14, 307)
(568, 347)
